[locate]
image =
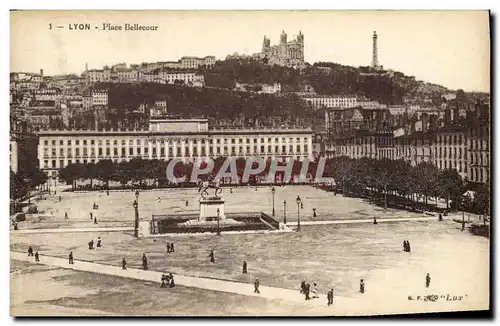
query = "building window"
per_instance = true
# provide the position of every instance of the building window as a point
(123, 152)
(108, 151)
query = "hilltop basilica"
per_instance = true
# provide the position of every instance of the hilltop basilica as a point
(285, 53)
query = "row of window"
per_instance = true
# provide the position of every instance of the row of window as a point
(140, 151)
(58, 164)
(445, 164)
(480, 159)
(161, 141)
(478, 175)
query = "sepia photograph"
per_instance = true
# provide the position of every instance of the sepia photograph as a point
(323, 163)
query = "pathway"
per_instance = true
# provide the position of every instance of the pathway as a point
(292, 223)
(247, 289)
(69, 230)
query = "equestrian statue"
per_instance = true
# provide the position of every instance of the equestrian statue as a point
(210, 183)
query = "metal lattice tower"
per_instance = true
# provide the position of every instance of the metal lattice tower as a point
(375, 51)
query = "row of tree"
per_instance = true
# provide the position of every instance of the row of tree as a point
(22, 182)
(138, 171)
(383, 179)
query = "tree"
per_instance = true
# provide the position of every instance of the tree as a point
(91, 173)
(71, 173)
(105, 169)
(451, 185)
(481, 201)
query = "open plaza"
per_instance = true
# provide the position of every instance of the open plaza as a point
(335, 249)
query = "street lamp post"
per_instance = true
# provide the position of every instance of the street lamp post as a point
(273, 191)
(298, 213)
(218, 221)
(284, 211)
(136, 208)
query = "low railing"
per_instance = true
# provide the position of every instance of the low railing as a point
(271, 221)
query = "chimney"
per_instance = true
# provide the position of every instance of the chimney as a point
(41, 72)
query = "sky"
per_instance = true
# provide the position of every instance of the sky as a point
(450, 48)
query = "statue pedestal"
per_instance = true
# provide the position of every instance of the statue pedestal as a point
(208, 209)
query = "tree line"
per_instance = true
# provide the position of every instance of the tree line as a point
(399, 181)
(384, 182)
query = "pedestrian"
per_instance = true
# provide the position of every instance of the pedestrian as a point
(144, 262)
(314, 212)
(172, 247)
(362, 286)
(330, 297)
(301, 205)
(66, 215)
(172, 283)
(91, 244)
(375, 220)
(212, 256)
(303, 287)
(187, 203)
(99, 242)
(168, 247)
(440, 217)
(107, 192)
(408, 248)
(15, 226)
(59, 198)
(95, 220)
(163, 281)
(404, 245)
(71, 257)
(159, 200)
(30, 251)
(307, 291)
(91, 218)
(427, 280)
(315, 291)
(124, 263)
(244, 267)
(256, 286)
(37, 259)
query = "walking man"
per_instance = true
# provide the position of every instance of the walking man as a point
(375, 220)
(212, 256)
(362, 286)
(404, 245)
(303, 287)
(91, 244)
(95, 220)
(244, 267)
(37, 259)
(314, 212)
(168, 247)
(71, 257)
(427, 280)
(330, 297)
(30, 251)
(66, 215)
(256, 286)
(98, 242)
(144, 262)
(307, 291)
(172, 247)
(124, 263)
(91, 218)
(408, 248)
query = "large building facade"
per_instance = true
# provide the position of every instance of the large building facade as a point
(285, 53)
(167, 139)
